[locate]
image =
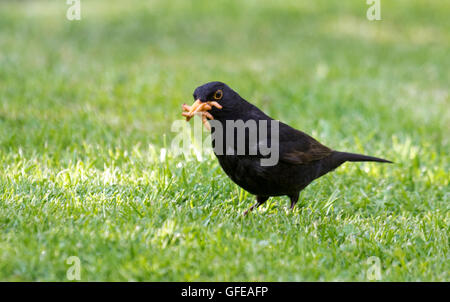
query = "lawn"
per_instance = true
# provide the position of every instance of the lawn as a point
(86, 109)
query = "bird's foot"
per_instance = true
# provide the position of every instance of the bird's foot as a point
(257, 204)
(250, 209)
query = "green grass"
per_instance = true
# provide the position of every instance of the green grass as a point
(86, 107)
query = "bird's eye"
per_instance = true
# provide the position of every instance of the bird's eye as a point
(218, 94)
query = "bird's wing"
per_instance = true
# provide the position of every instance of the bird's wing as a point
(297, 147)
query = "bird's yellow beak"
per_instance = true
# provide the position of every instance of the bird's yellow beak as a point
(202, 108)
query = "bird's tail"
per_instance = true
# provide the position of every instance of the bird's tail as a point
(337, 158)
(345, 156)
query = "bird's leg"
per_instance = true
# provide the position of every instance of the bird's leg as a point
(294, 199)
(257, 204)
(259, 201)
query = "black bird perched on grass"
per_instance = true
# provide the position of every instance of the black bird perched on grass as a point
(301, 158)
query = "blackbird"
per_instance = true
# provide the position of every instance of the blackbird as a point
(301, 158)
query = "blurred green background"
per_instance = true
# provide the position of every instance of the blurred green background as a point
(86, 106)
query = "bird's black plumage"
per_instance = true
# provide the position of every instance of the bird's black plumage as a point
(301, 158)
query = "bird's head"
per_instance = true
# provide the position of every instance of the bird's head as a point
(212, 100)
(213, 91)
